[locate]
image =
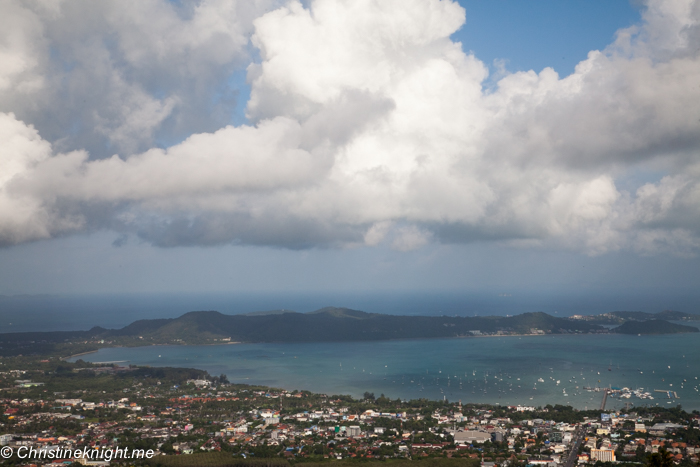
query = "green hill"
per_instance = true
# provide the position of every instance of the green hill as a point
(269, 312)
(619, 317)
(655, 326)
(671, 315)
(324, 325)
(342, 313)
(344, 324)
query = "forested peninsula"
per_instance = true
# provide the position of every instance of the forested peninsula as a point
(324, 325)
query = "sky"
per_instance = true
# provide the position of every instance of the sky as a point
(351, 146)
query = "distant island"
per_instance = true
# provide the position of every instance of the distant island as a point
(324, 325)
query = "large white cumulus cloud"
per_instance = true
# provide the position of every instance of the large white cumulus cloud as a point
(120, 76)
(369, 125)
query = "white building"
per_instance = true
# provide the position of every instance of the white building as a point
(469, 437)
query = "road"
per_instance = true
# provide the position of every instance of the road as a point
(575, 445)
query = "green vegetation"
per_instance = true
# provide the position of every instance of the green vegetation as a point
(213, 459)
(619, 317)
(655, 326)
(662, 458)
(337, 324)
(222, 459)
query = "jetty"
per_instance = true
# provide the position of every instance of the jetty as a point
(669, 394)
(605, 399)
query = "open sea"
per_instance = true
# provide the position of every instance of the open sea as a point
(526, 370)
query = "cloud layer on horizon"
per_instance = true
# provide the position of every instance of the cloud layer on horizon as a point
(369, 125)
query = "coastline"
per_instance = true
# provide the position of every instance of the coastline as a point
(82, 353)
(492, 371)
(143, 346)
(185, 344)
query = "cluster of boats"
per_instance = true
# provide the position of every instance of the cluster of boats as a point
(502, 384)
(627, 393)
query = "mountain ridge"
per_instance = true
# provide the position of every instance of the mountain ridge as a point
(620, 317)
(653, 326)
(322, 325)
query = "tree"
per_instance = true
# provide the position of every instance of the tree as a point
(660, 459)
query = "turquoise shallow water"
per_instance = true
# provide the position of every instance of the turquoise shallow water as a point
(495, 370)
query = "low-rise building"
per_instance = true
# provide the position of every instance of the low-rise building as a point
(469, 437)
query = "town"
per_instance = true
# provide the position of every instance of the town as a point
(58, 408)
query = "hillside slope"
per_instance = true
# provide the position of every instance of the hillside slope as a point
(656, 326)
(341, 324)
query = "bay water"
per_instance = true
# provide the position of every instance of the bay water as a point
(525, 370)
